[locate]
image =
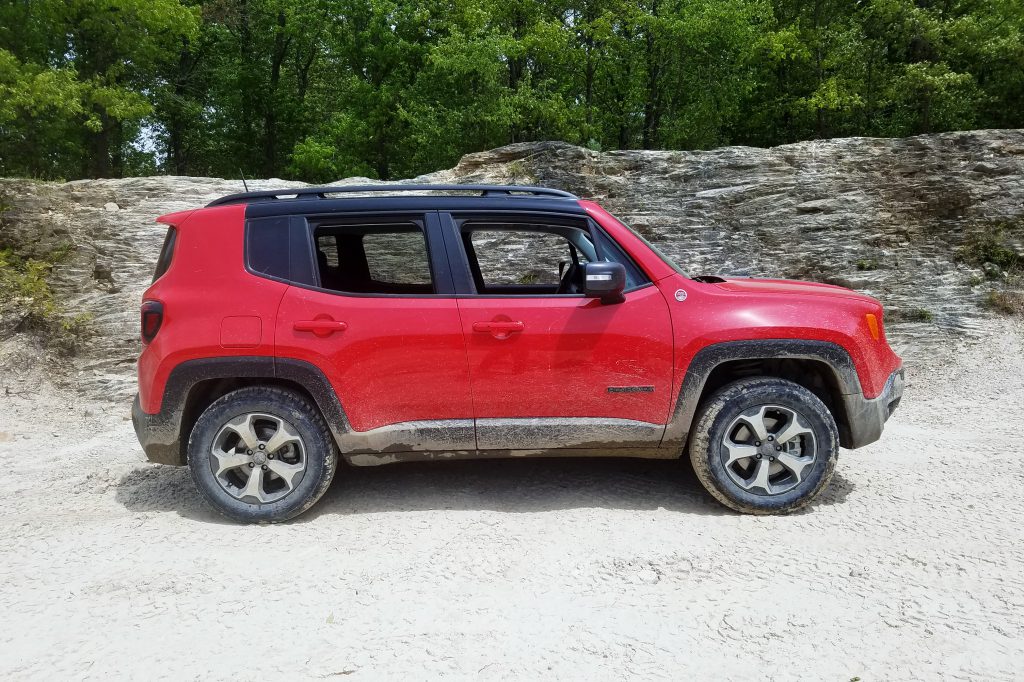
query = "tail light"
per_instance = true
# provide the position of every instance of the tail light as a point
(152, 318)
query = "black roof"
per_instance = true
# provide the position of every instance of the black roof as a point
(325, 201)
(327, 193)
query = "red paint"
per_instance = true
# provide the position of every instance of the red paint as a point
(567, 353)
(741, 309)
(395, 359)
(205, 283)
(241, 331)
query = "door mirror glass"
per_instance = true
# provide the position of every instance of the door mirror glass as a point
(605, 281)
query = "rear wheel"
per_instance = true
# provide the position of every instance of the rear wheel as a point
(261, 454)
(764, 446)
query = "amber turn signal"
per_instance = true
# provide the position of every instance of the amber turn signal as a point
(873, 326)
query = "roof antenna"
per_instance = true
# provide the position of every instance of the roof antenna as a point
(244, 184)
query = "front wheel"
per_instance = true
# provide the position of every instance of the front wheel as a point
(261, 454)
(764, 446)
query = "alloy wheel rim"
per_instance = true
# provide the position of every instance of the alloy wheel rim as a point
(258, 458)
(767, 450)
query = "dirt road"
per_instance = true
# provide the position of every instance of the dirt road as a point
(907, 568)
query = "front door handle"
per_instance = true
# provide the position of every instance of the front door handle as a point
(320, 327)
(501, 329)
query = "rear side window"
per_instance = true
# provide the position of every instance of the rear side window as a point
(166, 253)
(387, 258)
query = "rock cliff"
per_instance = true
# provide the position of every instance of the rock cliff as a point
(918, 222)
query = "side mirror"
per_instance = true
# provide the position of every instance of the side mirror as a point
(605, 281)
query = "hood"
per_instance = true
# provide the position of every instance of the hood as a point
(743, 285)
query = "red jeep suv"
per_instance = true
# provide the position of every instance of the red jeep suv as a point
(409, 322)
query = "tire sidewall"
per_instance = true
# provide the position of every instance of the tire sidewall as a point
(318, 451)
(812, 412)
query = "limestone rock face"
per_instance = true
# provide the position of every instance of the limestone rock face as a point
(105, 261)
(884, 216)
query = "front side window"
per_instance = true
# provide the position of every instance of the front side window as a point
(522, 259)
(613, 253)
(374, 259)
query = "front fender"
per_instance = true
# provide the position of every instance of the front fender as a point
(862, 418)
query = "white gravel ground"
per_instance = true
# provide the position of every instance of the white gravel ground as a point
(909, 566)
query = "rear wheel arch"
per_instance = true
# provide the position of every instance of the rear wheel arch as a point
(194, 385)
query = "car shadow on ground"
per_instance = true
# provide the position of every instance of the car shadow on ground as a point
(512, 485)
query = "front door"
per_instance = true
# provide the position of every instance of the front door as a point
(385, 329)
(550, 368)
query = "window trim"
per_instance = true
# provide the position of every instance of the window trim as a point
(417, 225)
(594, 227)
(441, 272)
(452, 222)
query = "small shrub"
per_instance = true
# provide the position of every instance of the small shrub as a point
(26, 279)
(911, 315)
(73, 333)
(24, 287)
(989, 249)
(1005, 302)
(518, 173)
(867, 264)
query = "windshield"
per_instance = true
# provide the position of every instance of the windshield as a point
(661, 254)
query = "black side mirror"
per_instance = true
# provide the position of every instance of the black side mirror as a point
(605, 281)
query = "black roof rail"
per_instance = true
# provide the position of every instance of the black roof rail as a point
(323, 192)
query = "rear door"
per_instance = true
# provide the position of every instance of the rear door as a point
(382, 323)
(550, 368)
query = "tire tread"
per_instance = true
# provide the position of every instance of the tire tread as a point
(700, 443)
(289, 399)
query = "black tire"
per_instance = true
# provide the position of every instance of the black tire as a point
(716, 422)
(318, 450)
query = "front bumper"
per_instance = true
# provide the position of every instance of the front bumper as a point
(866, 417)
(158, 434)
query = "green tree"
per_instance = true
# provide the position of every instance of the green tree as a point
(102, 55)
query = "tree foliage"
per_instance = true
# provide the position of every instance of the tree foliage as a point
(321, 89)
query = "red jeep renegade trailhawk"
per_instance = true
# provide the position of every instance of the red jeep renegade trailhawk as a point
(462, 321)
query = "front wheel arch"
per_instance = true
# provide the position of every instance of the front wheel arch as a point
(822, 367)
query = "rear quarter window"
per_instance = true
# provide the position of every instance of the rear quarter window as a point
(267, 248)
(166, 253)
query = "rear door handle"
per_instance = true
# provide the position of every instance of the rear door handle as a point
(499, 329)
(320, 327)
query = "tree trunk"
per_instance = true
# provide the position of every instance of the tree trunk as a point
(99, 149)
(177, 159)
(281, 42)
(652, 103)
